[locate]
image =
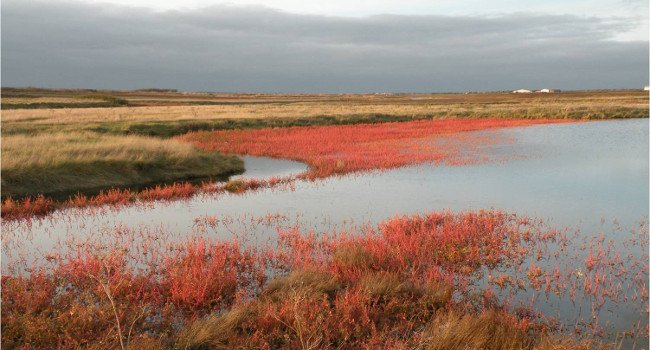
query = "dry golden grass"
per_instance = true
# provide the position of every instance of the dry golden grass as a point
(494, 105)
(20, 151)
(457, 331)
(53, 163)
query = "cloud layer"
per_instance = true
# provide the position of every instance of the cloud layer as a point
(69, 44)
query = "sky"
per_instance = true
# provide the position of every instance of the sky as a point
(334, 46)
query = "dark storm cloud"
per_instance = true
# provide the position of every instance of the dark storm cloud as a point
(68, 44)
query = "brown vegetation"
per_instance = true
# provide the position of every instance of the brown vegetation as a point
(66, 163)
(257, 111)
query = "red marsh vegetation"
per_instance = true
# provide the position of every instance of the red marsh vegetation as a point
(328, 150)
(29, 207)
(434, 281)
(331, 150)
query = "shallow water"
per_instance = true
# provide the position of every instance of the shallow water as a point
(264, 168)
(572, 174)
(587, 176)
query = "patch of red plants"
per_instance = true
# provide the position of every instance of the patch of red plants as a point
(331, 150)
(29, 207)
(364, 287)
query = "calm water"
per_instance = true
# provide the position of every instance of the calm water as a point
(264, 168)
(572, 174)
(578, 175)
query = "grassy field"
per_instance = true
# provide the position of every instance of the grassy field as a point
(63, 164)
(133, 122)
(170, 114)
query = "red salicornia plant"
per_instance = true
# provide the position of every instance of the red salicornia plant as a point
(430, 280)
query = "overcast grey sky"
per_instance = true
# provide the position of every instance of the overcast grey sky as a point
(283, 46)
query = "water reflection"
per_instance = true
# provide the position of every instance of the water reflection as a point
(264, 168)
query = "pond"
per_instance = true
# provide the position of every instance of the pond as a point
(589, 176)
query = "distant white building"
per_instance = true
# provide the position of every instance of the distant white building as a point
(522, 91)
(646, 88)
(548, 91)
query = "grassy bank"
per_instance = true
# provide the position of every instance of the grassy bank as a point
(63, 164)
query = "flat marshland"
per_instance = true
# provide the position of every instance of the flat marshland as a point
(169, 114)
(98, 252)
(150, 115)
